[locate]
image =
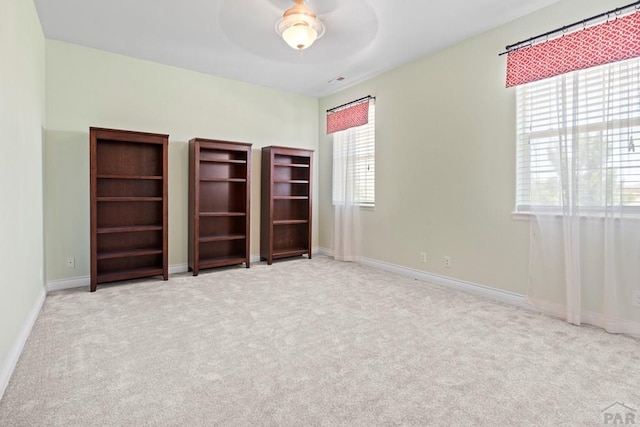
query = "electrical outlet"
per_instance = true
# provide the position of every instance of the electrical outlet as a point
(636, 298)
(423, 257)
(71, 262)
(447, 261)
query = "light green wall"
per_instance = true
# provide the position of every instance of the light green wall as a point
(445, 158)
(88, 87)
(21, 214)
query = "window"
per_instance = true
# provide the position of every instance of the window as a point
(359, 160)
(595, 113)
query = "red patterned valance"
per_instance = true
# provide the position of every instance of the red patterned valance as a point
(349, 117)
(608, 42)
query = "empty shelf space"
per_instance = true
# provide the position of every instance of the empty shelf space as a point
(221, 261)
(129, 273)
(232, 161)
(286, 202)
(291, 165)
(223, 238)
(109, 176)
(129, 229)
(291, 181)
(289, 252)
(222, 214)
(222, 180)
(290, 197)
(129, 199)
(129, 253)
(290, 221)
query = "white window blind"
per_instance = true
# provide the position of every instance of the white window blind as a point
(597, 111)
(362, 166)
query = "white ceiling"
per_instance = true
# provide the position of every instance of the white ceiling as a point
(237, 38)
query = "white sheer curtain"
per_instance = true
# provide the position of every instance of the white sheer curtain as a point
(346, 221)
(583, 191)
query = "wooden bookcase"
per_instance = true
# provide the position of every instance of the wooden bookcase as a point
(128, 203)
(285, 228)
(219, 203)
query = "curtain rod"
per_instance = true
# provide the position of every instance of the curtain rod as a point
(368, 97)
(530, 41)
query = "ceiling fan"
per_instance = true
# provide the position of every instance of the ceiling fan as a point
(347, 27)
(299, 26)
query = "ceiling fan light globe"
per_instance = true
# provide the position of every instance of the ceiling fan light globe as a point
(299, 36)
(299, 26)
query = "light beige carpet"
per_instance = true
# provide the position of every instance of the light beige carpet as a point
(310, 343)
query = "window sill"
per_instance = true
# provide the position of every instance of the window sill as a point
(526, 216)
(520, 216)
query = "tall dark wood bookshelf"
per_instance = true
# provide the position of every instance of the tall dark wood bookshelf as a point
(285, 229)
(219, 203)
(129, 205)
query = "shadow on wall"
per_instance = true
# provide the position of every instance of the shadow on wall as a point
(66, 203)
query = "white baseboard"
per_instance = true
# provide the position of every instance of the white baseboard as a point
(612, 324)
(16, 349)
(178, 268)
(254, 258)
(448, 282)
(80, 281)
(596, 319)
(74, 282)
(325, 251)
